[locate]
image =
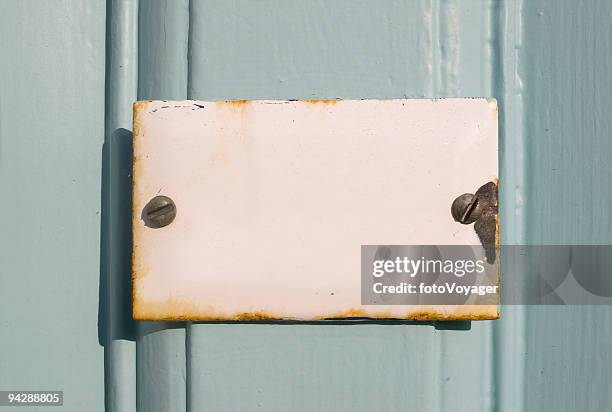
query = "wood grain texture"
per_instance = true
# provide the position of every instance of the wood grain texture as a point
(51, 136)
(509, 334)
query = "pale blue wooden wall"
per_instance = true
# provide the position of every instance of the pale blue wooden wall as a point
(51, 134)
(70, 70)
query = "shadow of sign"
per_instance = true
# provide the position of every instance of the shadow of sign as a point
(115, 291)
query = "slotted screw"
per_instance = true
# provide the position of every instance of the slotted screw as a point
(466, 209)
(159, 212)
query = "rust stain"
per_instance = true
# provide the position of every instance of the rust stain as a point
(234, 103)
(243, 103)
(138, 108)
(450, 312)
(167, 310)
(259, 315)
(495, 180)
(331, 101)
(139, 268)
(487, 225)
(162, 310)
(350, 313)
(494, 106)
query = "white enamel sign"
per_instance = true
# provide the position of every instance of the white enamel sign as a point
(275, 198)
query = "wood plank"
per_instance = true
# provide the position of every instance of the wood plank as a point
(567, 56)
(51, 136)
(162, 74)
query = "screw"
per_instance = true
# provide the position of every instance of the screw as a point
(159, 212)
(466, 209)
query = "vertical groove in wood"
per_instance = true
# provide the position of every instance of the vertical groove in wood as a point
(509, 333)
(509, 89)
(188, 366)
(121, 85)
(162, 75)
(189, 325)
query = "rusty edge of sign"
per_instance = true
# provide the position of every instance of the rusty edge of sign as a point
(163, 310)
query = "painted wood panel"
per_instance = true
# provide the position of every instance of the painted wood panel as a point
(51, 137)
(568, 130)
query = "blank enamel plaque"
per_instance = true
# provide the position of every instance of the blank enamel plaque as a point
(274, 199)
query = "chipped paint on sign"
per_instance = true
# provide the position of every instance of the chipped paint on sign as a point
(275, 198)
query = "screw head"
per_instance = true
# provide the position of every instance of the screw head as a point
(159, 212)
(466, 208)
